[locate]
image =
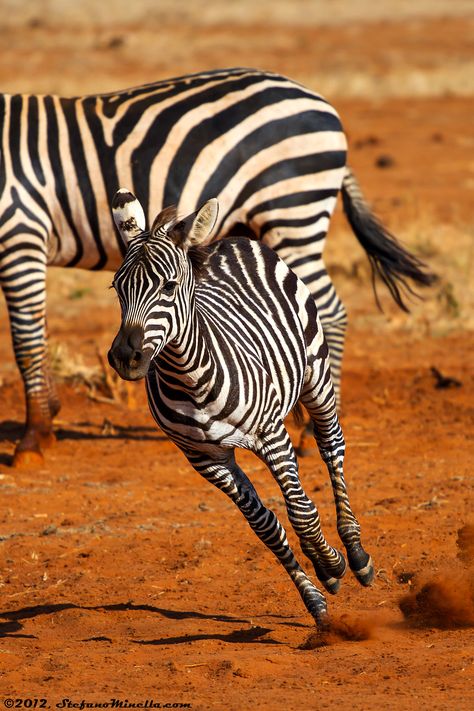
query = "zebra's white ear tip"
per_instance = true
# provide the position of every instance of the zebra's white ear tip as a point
(128, 214)
(121, 198)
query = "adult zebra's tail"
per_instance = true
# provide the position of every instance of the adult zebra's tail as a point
(388, 258)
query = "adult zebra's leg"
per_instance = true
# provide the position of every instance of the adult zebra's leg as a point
(277, 452)
(319, 399)
(229, 478)
(25, 294)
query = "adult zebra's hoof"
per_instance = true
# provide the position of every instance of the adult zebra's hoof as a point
(27, 459)
(29, 451)
(315, 603)
(323, 623)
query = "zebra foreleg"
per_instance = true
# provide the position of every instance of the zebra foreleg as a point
(277, 452)
(229, 478)
(28, 328)
(320, 402)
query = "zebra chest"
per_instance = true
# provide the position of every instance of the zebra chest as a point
(229, 414)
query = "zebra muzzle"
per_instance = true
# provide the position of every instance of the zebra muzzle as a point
(127, 355)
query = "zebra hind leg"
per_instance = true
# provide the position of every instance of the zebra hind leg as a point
(295, 226)
(229, 478)
(334, 327)
(333, 318)
(319, 399)
(277, 452)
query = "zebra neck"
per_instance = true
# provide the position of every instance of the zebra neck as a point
(192, 358)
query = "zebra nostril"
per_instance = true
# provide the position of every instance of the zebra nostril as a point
(137, 356)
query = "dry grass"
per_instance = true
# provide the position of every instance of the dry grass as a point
(100, 382)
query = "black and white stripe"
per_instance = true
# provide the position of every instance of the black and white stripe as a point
(271, 151)
(229, 341)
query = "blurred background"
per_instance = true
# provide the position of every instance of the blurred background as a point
(343, 48)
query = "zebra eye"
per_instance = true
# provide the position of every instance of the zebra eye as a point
(169, 287)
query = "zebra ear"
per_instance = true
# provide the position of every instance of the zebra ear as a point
(128, 214)
(195, 229)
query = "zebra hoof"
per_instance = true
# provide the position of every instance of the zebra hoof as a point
(362, 566)
(365, 576)
(319, 637)
(331, 581)
(29, 451)
(27, 459)
(323, 623)
(332, 585)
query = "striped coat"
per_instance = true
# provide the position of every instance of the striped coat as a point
(229, 341)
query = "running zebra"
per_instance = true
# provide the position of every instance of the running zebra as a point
(271, 151)
(229, 341)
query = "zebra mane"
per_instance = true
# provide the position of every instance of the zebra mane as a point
(198, 257)
(167, 224)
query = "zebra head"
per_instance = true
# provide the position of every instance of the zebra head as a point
(155, 283)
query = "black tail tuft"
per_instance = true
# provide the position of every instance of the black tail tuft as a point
(388, 258)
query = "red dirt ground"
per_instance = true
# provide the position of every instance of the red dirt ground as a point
(124, 575)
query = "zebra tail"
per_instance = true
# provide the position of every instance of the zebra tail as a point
(388, 258)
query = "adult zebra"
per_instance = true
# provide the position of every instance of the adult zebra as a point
(229, 340)
(273, 152)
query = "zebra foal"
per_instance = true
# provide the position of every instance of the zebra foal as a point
(229, 341)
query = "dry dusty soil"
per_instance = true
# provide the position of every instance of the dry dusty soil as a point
(123, 575)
